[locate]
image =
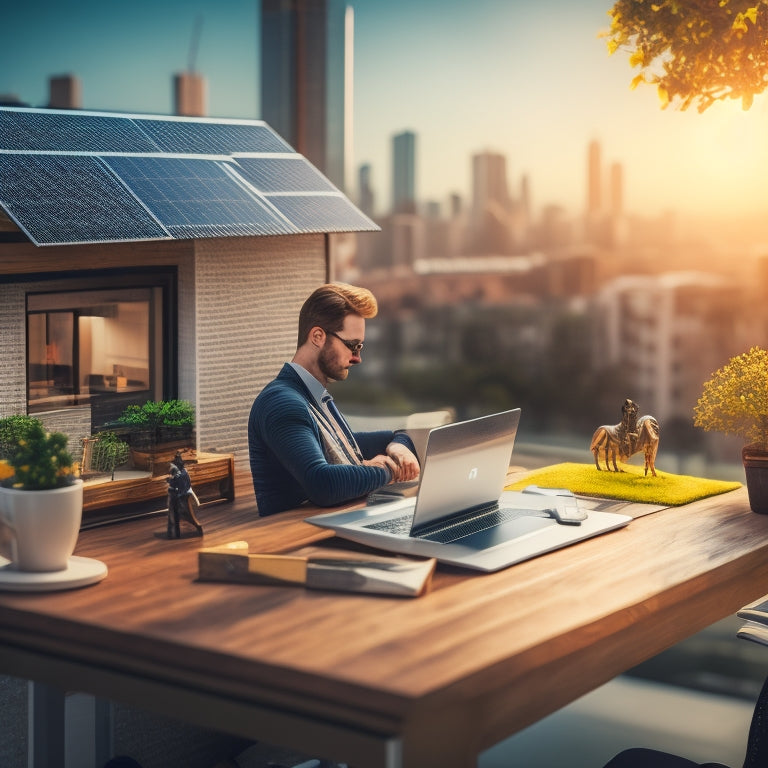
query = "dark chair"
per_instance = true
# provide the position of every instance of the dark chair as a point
(757, 747)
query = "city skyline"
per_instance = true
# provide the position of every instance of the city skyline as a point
(530, 81)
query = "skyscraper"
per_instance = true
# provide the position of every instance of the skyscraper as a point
(617, 189)
(489, 182)
(65, 92)
(594, 180)
(404, 172)
(491, 205)
(306, 68)
(189, 94)
(365, 190)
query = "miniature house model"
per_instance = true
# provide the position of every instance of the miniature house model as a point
(147, 258)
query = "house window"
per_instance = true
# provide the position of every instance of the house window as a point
(104, 347)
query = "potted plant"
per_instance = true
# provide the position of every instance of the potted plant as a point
(107, 452)
(41, 496)
(158, 429)
(735, 402)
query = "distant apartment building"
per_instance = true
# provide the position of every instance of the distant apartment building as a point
(604, 221)
(365, 197)
(65, 92)
(404, 172)
(190, 96)
(594, 180)
(667, 333)
(491, 205)
(306, 75)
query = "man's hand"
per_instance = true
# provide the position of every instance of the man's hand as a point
(384, 462)
(407, 465)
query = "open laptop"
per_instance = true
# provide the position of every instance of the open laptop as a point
(461, 514)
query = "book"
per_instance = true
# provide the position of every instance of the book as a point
(755, 631)
(339, 571)
(756, 611)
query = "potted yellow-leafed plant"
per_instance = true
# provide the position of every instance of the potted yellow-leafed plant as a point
(41, 495)
(735, 402)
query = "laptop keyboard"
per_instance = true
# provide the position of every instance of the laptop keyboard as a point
(474, 521)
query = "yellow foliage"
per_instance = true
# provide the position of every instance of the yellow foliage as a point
(735, 399)
(696, 52)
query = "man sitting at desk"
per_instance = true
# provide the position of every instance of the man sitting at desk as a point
(300, 447)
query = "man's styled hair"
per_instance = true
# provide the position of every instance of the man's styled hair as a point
(329, 304)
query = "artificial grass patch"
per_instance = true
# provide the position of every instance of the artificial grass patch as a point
(629, 485)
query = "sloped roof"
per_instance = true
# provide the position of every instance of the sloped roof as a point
(69, 177)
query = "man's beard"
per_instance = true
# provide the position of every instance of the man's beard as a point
(331, 371)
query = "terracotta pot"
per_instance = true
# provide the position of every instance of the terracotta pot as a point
(755, 461)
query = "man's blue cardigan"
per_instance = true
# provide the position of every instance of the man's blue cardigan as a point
(288, 465)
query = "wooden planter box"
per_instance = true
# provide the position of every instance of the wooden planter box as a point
(157, 460)
(212, 475)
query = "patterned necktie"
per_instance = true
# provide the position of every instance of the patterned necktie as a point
(341, 427)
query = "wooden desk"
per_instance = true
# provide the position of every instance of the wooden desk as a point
(377, 681)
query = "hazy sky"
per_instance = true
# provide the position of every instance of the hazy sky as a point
(531, 80)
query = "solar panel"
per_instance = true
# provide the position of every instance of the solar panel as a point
(322, 213)
(208, 138)
(196, 197)
(71, 199)
(37, 131)
(283, 174)
(69, 177)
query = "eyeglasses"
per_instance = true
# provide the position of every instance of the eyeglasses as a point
(355, 347)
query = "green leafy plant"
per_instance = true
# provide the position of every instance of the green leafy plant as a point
(34, 460)
(108, 451)
(12, 430)
(172, 413)
(735, 400)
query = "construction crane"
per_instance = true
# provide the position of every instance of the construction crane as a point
(194, 43)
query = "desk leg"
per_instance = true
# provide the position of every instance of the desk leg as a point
(67, 731)
(45, 726)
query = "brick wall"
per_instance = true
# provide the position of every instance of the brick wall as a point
(248, 295)
(13, 350)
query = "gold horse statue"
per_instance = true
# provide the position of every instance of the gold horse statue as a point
(632, 435)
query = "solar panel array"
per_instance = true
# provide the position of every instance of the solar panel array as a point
(82, 177)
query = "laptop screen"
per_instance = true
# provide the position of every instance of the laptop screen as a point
(466, 465)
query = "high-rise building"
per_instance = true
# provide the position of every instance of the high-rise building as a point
(491, 205)
(594, 180)
(489, 182)
(306, 68)
(617, 189)
(64, 92)
(404, 172)
(189, 94)
(365, 190)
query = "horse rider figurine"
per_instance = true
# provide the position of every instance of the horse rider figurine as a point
(632, 435)
(182, 500)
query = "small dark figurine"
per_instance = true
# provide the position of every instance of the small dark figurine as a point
(181, 499)
(627, 438)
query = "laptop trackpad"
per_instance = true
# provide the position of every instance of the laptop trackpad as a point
(500, 534)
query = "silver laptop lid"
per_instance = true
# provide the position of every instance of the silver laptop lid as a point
(465, 465)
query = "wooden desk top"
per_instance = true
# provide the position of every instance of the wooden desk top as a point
(452, 672)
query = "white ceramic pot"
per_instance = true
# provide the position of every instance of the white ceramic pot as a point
(41, 527)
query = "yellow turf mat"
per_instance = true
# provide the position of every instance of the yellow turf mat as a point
(629, 485)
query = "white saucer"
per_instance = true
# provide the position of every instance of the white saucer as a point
(80, 572)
